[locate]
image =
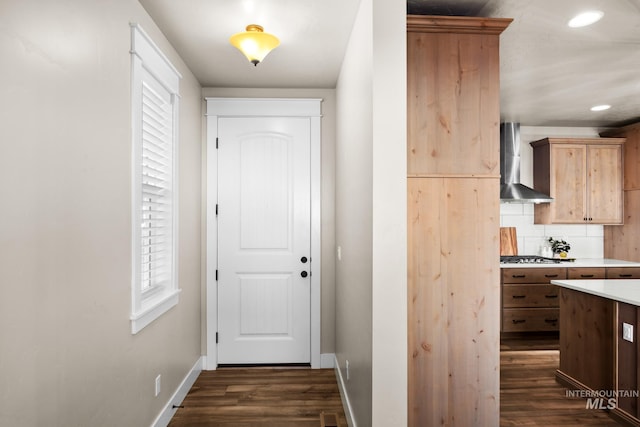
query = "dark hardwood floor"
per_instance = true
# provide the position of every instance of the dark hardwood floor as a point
(530, 395)
(272, 397)
(264, 397)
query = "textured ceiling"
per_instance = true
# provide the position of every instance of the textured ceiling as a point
(550, 74)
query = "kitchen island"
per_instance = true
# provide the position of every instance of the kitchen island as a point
(598, 343)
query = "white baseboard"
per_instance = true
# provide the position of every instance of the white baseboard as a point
(348, 410)
(327, 360)
(178, 396)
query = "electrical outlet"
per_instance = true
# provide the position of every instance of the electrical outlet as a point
(158, 385)
(347, 369)
(627, 332)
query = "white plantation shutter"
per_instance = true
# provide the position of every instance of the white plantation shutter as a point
(155, 95)
(157, 170)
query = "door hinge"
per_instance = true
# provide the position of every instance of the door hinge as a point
(216, 338)
(216, 142)
(216, 209)
(216, 275)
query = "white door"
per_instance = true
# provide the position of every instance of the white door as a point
(264, 292)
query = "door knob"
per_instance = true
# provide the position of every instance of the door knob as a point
(303, 260)
(304, 274)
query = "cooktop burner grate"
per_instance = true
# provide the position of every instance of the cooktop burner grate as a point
(527, 259)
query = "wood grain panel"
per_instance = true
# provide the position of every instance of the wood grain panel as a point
(454, 301)
(623, 241)
(453, 104)
(631, 153)
(605, 186)
(586, 339)
(568, 181)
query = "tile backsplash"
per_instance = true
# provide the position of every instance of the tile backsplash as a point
(586, 240)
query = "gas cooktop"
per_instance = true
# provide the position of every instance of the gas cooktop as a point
(527, 259)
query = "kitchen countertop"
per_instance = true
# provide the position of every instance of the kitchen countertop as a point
(621, 290)
(579, 262)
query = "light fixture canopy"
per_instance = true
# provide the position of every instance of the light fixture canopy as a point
(254, 43)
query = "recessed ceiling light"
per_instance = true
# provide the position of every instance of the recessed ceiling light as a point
(586, 18)
(600, 107)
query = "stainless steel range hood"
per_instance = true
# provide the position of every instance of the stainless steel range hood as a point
(511, 190)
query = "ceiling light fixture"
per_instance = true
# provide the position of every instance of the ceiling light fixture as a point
(600, 107)
(586, 18)
(254, 43)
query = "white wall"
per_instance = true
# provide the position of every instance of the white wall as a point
(354, 194)
(67, 355)
(586, 240)
(389, 214)
(371, 199)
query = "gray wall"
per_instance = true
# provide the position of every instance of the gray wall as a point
(67, 356)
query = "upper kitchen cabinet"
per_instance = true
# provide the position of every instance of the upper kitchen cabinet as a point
(584, 176)
(631, 133)
(453, 94)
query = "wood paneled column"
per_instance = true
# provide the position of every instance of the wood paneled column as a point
(453, 220)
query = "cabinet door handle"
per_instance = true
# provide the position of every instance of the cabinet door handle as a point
(625, 275)
(516, 321)
(551, 296)
(518, 276)
(550, 276)
(519, 296)
(586, 275)
(551, 320)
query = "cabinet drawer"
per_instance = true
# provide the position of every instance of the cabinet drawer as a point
(529, 296)
(530, 319)
(533, 275)
(623, 273)
(586, 273)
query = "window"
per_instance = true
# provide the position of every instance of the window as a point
(154, 93)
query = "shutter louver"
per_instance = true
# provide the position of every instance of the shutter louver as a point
(156, 215)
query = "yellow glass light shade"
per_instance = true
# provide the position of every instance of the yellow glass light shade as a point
(254, 43)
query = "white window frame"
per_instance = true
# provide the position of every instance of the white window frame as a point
(149, 65)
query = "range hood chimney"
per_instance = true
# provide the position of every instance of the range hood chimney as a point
(511, 191)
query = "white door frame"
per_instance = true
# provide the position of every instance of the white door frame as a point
(260, 107)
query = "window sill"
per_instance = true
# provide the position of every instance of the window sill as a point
(153, 308)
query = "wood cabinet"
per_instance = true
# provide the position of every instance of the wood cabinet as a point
(623, 242)
(586, 340)
(529, 301)
(584, 176)
(453, 220)
(581, 273)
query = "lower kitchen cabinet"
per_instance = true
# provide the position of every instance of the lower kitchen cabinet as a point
(623, 273)
(529, 301)
(581, 273)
